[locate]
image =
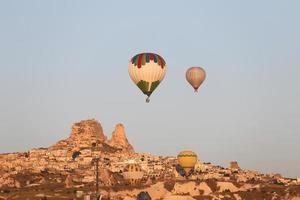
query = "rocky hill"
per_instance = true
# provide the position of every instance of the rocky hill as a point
(88, 134)
(72, 155)
(119, 139)
(67, 170)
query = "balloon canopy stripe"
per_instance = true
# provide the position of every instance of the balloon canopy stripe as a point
(140, 60)
(187, 155)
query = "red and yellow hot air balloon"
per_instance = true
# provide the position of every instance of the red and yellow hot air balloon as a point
(147, 70)
(195, 76)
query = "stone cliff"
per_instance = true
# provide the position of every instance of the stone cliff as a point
(119, 139)
(74, 154)
(87, 129)
(88, 134)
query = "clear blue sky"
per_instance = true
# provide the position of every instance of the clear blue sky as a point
(64, 61)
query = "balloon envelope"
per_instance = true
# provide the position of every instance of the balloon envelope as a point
(195, 76)
(133, 173)
(143, 196)
(147, 70)
(187, 160)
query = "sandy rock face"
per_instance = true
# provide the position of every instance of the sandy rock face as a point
(119, 139)
(157, 191)
(84, 134)
(204, 188)
(192, 189)
(234, 165)
(69, 182)
(86, 141)
(186, 189)
(87, 128)
(177, 197)
(129, 198)
(227, 186)
(105, 176)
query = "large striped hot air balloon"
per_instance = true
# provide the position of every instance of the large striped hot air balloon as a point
(195, 76)
(147, 70)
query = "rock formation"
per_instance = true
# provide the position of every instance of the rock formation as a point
(119, 139)
(69, 182)
(71, 165)
(88, 134)
(87, 128)
(74, 154)
(84, 134)
(234, 165)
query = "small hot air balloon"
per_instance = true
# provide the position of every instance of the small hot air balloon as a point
(187, 160)
(195, 76)
(143, 196)
(147, 70)
(133, 173)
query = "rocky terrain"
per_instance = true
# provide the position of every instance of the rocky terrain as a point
(67, 170)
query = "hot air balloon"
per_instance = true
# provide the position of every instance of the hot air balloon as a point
(187, 160)
(147, 70)
(195, 76)
(133, 173)
(180, 170)
(143, 196)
